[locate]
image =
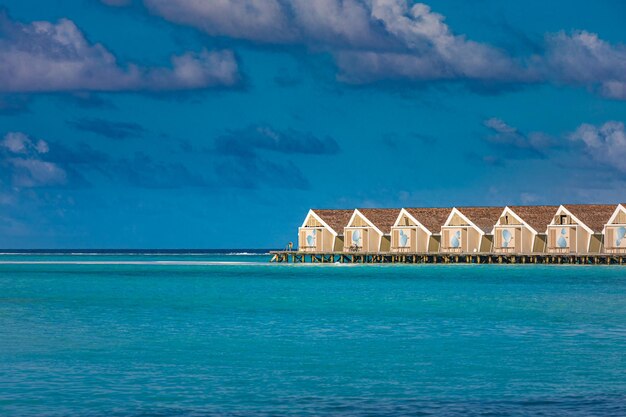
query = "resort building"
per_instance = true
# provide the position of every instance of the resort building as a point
(522, 229)
(469, 229)
(369, 230)
(615, 231)
(572, 229)
(577, 228)
(322, 230)
(418, 229)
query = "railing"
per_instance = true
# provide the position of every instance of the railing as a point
(401, 249)
(614, 250)
(451, 250)
(558, 250)
(502, 249)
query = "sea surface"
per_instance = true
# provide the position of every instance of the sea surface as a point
(228, 334)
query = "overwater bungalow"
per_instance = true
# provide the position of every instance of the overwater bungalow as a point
(615, 231)
(418, 229)
(469, 229)
(369, 230)
(522, 229)
(577, 228)
(322, 230)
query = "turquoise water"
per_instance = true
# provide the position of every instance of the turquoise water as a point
(121, 335)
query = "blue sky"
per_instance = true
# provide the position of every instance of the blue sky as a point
(217, 124)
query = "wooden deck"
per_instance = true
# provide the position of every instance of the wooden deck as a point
(445, 258)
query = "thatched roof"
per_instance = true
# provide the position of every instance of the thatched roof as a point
(383, 219)
(485, 218)
(594, 216)
(335, 219)
(537, 217)
(431, 218)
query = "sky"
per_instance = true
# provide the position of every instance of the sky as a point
(219, 123)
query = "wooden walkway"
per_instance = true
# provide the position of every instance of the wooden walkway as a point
(445, 258)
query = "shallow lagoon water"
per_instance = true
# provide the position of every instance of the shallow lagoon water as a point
(130, 335)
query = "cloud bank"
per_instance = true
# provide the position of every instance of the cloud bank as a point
(371, 40)
(378, 40)
(55, 57)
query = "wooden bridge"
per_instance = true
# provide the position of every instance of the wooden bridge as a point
(445, 258)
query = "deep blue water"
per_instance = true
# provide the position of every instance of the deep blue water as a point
(215, 334)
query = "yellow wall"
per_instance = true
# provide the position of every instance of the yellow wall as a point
(406, 221)
(540, 244)
(422, 241)
(434, 243)
(374, 242)
(620, 218)
(313, 222)
(457, 221)
(328, 240)
(582, 237)
(595, 245)
(511, 220)
(385, 244)
(473, 240)
(338, 247)
(486, 243)
(359, 222)
(527, 240)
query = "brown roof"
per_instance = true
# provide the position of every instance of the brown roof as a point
(431, 218)
(336, 219)
(595, 216)
(537, 217)
(483, 217)
(384, 219)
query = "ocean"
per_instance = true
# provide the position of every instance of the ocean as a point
(227, 334)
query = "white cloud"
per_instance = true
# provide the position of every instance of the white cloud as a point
(19, 143)
(48, 57)
(36, 173)
(605, 144)
(499, 126)
(582, 58)
(371, 40)
(22, 160)
(259, 20)
(433, 49)
(508, 137)
(375, 40)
